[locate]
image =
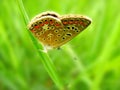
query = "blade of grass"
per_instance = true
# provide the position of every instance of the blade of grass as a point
(43, 55)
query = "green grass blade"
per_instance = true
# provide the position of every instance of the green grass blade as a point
(43, 55)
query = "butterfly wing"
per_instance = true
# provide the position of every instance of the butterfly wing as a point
(73, 25)
(47, 29)
(54, 30)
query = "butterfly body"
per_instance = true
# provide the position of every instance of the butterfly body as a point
(54, 30)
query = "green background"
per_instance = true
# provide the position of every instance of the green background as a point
(91, 61)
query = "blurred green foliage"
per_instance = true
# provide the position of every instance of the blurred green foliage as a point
(91, 61)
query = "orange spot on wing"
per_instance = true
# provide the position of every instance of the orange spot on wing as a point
(70, 22)
(36, 26)
(33, 30)
(51, 22)
(41, 24)
(65, 22)
(81, 22)
(57, 24)
(46, 22)
(76, 22)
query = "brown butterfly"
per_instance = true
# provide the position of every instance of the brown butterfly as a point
(54, 30)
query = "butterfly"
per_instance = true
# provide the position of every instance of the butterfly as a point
(54, 30)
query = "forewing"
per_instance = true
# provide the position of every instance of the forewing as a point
(47, 29)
